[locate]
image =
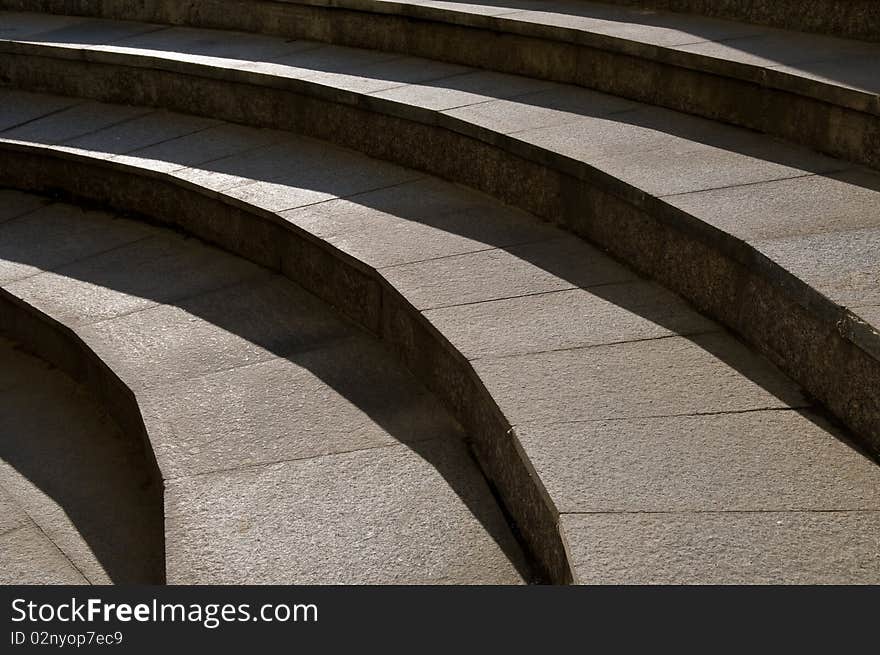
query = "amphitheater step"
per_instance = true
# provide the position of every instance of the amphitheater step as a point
(292, 448)
(773, 240)
(817, 90)
(634, 418)
(77, 504)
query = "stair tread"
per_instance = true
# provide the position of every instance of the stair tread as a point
(240, 373)
(689, 366)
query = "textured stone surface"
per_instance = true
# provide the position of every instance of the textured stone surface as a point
(20, 107)
(611, 313)
(345, 396)
(780, 48)
(79, 120)
(553, 265)
(203, 146)
(138, 133)
(251, 384)
(462, 90)
(664, 152)
(555, 106)
(216, 331)
(27, 555)
(58, 235)
(73, 489)
(842, 265)
(654, 377)
(658, 377)
(725, 548)
(386, 515)
(779, 460)
(159, 269)
(804, 205)
(15, 203)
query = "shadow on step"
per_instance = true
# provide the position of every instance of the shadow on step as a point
(63, 461)
(838, 61)
(259, 310)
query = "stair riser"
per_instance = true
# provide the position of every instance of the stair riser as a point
(850, 19)
(58, 345)
(357, 291)
(823, 347)
(845, 124)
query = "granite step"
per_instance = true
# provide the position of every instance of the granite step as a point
(773, 240)
(602, 408)
(821, 91)
(291, 447)
(77, 501)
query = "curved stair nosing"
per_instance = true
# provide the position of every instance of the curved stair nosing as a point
(827, 349)
(57, 344)
(354, 289)
(850, 19)
(837, 120)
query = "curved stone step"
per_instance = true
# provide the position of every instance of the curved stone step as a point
(775, 241)
(815, 90)
(291, 447)
(78, 503)
(851, 19)
(592, 397)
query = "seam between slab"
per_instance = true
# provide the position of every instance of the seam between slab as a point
(256, 465)
(76, 103)
(213, 123)
(27, 213)
(721, 511)
(261, 358)
(789, 408)
(591, 346)
(30, 518)
(148, 112)
(757, 182)
(524, 295)
(488, 248)
(173, 302)
(73, 262)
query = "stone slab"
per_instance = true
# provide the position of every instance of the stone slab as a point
(663, 152)
(462, 90)
(348, 395)
(844, 266)
(92, 32)
(28, 557)
(660, 377)
(19, 107)
(554, 106)
(724, 548)
(612, 313)
(68, 468)
(212, 47)
(151, 271)
(14, 203)
(552, 265)
(138, 133)
(17, 25)
(81, 119)
(249, 323)
(807, 205)
(199, 147)
(387, 74)
(760, 461)
(58, 235)
(11, 516)
(656, 29)
(387, 515)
